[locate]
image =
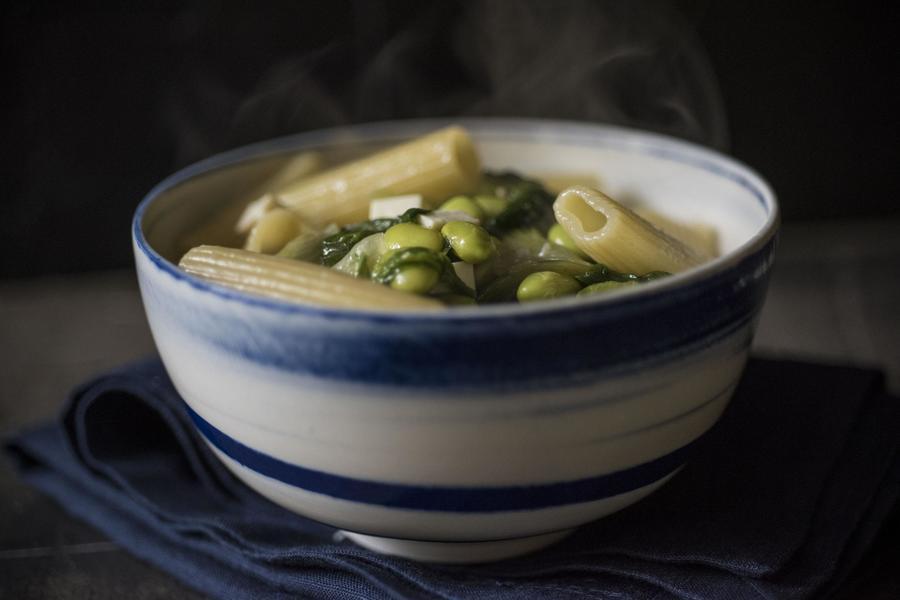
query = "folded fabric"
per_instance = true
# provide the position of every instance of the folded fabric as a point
(783, 497)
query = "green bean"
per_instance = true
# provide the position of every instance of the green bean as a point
(463, 204)
(471, 243)
(410, 235)
(546, 284)
(605, 286)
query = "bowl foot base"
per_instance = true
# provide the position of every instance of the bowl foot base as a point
(456, 552)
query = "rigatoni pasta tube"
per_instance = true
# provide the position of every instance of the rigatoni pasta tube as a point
(274, 229)
(263, 196)
(435, 166)
(617, 237)
(236, 217)
(294, 169)
(296, 281)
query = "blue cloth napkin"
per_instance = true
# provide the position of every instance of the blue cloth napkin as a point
(782, 499)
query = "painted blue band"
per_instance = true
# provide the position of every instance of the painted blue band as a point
(482, 499)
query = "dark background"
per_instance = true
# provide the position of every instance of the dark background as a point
(103, 101)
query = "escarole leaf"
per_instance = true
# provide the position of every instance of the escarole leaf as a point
(336, 246)
(396, 260)
(529, 204)
(358, 262)
(305, 247)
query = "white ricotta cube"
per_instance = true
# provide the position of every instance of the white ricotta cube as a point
(466, 272)
(393, 206)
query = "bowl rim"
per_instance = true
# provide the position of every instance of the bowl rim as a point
(559, 131)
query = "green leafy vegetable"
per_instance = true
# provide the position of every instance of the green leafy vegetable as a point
(358, 262)
(395, 261)
(336, 246)
(305, 247)
(529, 204)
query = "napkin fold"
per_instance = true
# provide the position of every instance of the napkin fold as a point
(781, 500)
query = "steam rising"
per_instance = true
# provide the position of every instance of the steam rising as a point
(628, 63)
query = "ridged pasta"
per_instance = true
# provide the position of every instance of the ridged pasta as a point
(296, 168)
(435, 166)
(286, 279)
(264, 196)
(617, 237)
(236, 216)
(273, 230)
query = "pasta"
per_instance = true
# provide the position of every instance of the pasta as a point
(463, 237)
(613, 235)
(231, 224)
(296, 168)
(434, 166)
(287, 279)
(273, 231)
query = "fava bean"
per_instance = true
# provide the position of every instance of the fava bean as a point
(463, 204)
(415, 279)
(558, 235)
(471, 243)
(410, 235)
(543, 285)
(491, 205)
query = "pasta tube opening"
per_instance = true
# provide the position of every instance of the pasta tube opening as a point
(616, 236)
(589, 220)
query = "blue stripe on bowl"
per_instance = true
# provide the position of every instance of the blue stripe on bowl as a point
(481, 499)
(562, 348)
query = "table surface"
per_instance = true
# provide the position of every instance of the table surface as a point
(834, 298)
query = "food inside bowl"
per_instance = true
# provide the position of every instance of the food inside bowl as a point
(420, 227)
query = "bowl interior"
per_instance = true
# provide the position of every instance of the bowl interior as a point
(679, 180)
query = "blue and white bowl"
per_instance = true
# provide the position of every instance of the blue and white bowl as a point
(477, 433)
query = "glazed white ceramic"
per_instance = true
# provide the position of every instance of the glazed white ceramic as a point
(477, 433)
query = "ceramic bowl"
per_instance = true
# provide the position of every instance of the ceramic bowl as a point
(476, 433)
